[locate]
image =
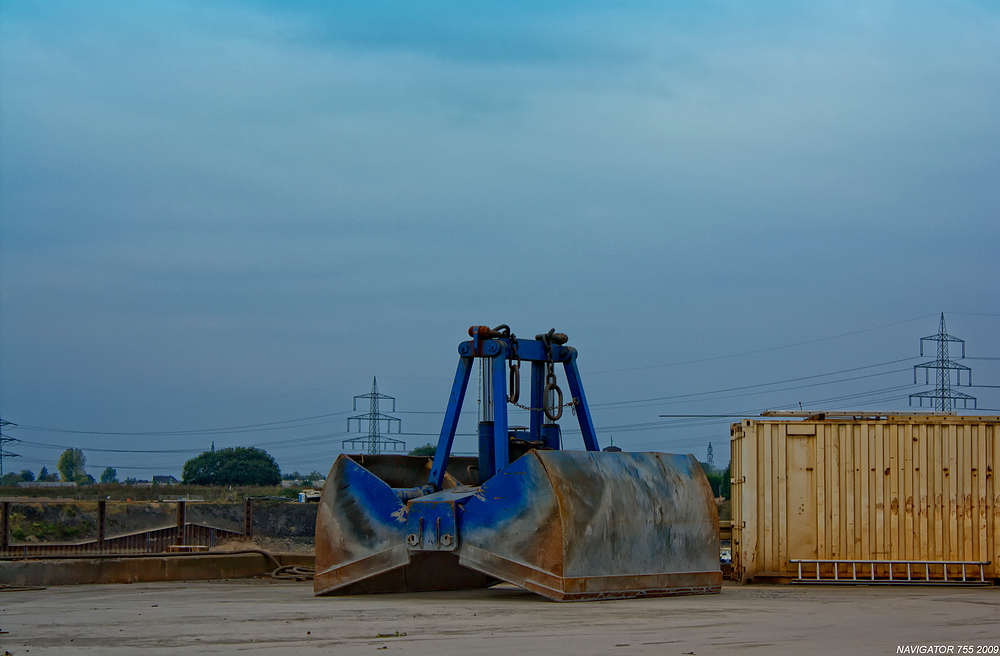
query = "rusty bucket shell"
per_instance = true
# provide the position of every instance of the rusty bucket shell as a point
(361, 530)
(567, 525)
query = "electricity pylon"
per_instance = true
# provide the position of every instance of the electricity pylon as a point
(374, 442)
(943, 398)
(4, 441)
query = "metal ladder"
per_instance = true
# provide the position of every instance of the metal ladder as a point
(891, 572)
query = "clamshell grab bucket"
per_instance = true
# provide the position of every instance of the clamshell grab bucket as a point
(564, 524)
(569, 525)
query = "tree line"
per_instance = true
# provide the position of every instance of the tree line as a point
(70, 467)
(230, 466)
(240, 466)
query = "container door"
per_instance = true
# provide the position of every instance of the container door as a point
(802, 524)
(736, 498)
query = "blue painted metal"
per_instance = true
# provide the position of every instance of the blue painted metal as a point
(568, 525)
(360, 527)
(431, 526)
(487, 458)
(432, 521)
(582, 409)
(501, 452)
(451, 416)
(537, 382)
(405, 494)
(551, 437)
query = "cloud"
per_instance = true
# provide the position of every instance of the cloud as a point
(229, 201)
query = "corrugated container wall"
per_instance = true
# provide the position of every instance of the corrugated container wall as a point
(906, 487)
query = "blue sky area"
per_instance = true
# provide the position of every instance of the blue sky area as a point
(220, 220)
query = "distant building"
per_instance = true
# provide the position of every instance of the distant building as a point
(165, 480)
(317, 483)
(46, 484)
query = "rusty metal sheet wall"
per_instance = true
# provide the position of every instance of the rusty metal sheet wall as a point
(903, 487)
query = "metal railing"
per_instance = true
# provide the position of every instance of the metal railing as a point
(155, 540)
(891, 571)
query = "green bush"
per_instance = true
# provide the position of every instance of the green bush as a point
(425, 450)
(233, 466)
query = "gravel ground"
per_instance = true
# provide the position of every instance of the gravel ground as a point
(265, 617)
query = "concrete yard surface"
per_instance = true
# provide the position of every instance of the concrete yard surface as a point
(266, 617)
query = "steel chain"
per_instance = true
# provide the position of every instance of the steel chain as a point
(574, 402)
(514, 380)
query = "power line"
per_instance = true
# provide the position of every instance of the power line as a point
(700, 421)
(302, 440)
(249, 428)
(47, 445)
(608, 428)
(185, 407)
(290, 441)
(763, 350)
(681, 397)
(707, 416)
(676, 420)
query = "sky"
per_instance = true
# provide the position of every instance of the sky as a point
(219, 221)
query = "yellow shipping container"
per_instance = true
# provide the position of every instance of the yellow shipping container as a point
(861, 488)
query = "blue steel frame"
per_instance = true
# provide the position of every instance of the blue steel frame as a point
(499, 350)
